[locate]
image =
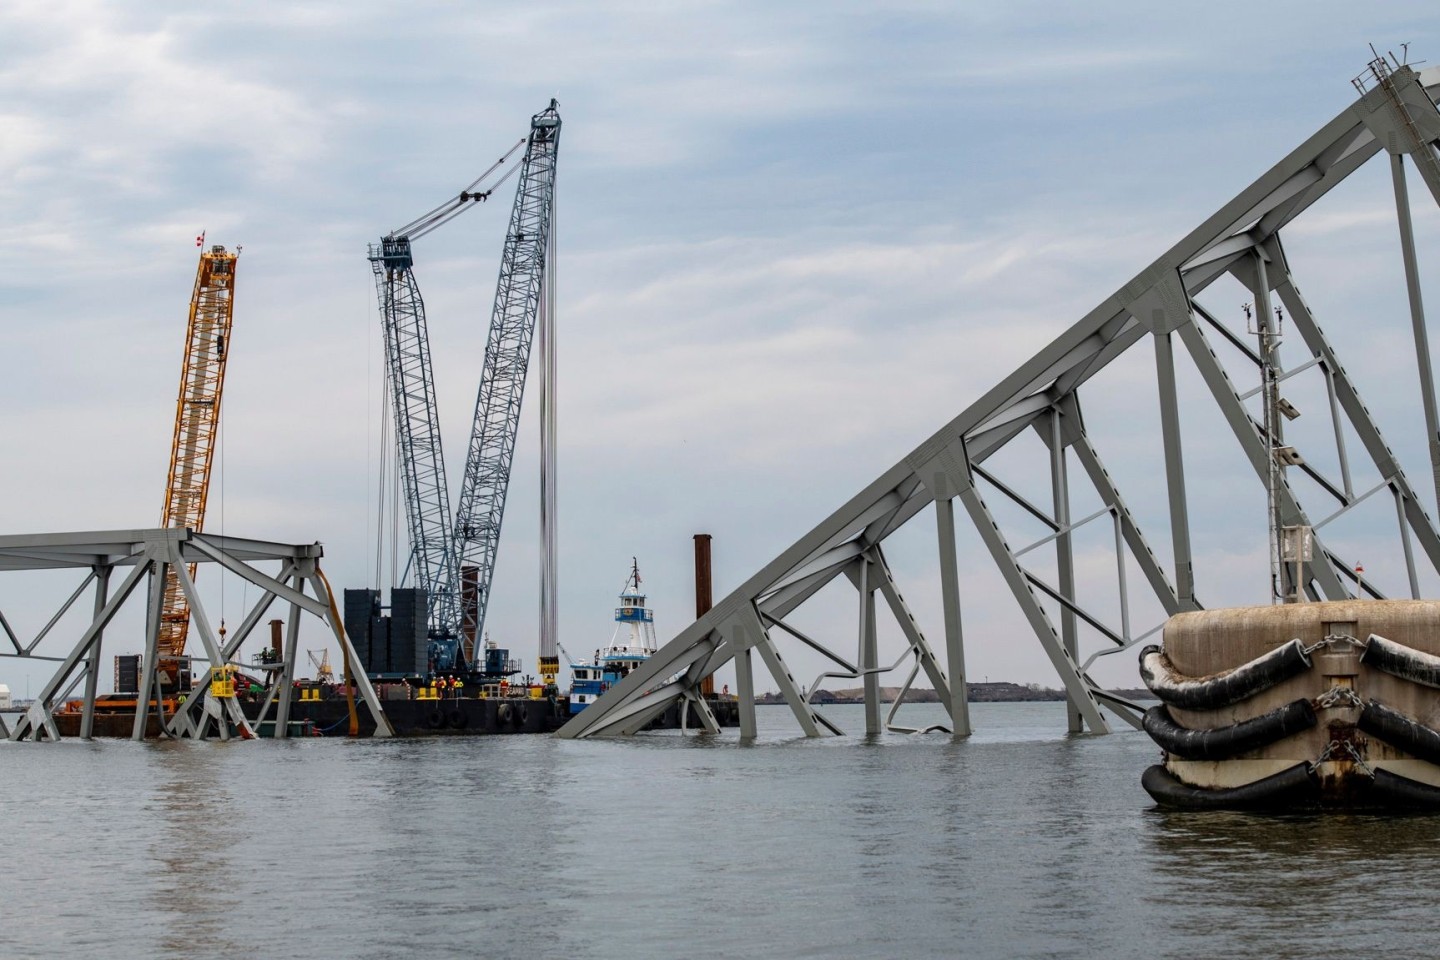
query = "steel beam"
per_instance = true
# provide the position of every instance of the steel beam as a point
(869, 652)
(1417, 316)
(1064, 551)
(1174, 471)
(92, 669)
(745, 693)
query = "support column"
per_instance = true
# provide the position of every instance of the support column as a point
(869, 653)
(287, 675)
(92, 673)
(959, 702)
(1174, 469)
(1417, 317)
(148, 662)
(1064, 556)
(745, 693)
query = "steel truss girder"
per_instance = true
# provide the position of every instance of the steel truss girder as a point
(1043, 394)
(151, 554)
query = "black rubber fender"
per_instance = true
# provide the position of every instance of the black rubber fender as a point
(1393, 790)
(1220, 689)
(1221, 743)
(457, 719)
(1401, 661)
(434, 720)
(1400, 731)
(1290, 788)
(502, 713)
(523, 714)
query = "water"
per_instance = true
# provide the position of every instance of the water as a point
(1021, 842)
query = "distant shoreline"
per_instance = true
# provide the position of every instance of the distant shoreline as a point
(999, 692)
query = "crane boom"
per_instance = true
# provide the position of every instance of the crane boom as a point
(197, 423)
(518, 296)
(417, 428)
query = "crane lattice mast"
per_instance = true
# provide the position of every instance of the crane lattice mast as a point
(518, 297)
(417, 428)
(197, 424)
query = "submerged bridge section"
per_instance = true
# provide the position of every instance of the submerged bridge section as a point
(115, 566)
(1395, 116)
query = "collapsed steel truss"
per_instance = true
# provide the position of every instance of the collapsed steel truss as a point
(1396, 114)
(149, 556)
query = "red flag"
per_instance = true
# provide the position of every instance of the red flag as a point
(200, 240)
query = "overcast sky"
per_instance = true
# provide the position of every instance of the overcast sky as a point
(794, 239)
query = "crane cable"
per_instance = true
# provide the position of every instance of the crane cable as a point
(451, 208)
(459, 207)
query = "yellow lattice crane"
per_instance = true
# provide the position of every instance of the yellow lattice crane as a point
(197, 424)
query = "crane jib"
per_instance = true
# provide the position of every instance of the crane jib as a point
(507, 353)
(454, 561)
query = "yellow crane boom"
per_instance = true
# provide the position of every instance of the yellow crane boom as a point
(197, 423)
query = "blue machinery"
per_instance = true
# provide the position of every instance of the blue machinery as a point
(443, 553)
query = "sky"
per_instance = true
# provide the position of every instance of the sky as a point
(793, 240)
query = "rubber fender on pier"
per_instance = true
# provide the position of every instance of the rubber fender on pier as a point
(1222, 743)
(434, 720)
(523, 715)
(502, 713)
(1401, 661)
(457, 719)
(1220, 689)
(1400, 731)
(1393, 790)
(1290, 788)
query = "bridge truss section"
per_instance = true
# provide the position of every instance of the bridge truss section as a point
(147, 557)
(1395, 115)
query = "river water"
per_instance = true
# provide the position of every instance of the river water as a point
(1021, 842)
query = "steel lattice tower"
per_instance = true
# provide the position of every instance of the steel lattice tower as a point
(518, 296)
(417, 428)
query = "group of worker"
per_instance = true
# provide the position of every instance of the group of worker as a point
(442, 688)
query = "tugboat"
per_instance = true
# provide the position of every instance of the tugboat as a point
(614, 662)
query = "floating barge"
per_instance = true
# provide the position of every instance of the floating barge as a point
(1306, 705)
(325, 712)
